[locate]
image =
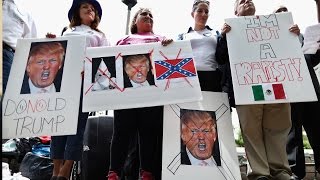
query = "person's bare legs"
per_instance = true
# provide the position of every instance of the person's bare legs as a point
(65, 170)
(57, 164)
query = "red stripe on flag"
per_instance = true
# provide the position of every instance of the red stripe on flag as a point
(278, 91)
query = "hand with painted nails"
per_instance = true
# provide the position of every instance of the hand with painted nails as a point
(225, 29)
(295, 29)
(166, 41)
(50, 35)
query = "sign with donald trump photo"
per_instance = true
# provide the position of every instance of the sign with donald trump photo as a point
(139, 75)
(42, 96)
(198, 140)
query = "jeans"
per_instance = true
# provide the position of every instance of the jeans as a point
(7, 59)
(70, 147)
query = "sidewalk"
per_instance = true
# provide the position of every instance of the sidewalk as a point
(308, 153)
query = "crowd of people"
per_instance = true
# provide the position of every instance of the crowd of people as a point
(272, 132)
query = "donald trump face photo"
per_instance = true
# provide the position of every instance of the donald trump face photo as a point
(44, 62)
(199, 136)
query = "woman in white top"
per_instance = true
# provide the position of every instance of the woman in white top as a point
(84, 17)
(204, 42)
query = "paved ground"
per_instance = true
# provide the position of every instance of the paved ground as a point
(310, 170)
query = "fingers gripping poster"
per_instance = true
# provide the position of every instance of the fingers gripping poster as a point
(42, 96)
(139, 75)
(198, 140)
(267, 62)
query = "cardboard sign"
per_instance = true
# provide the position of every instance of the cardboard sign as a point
(140, 75)
(266, 60)
(198, 140)
(42, 96)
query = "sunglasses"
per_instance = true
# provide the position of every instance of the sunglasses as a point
(282, 10)
(196, 2)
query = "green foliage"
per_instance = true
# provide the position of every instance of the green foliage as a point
(239, 141)
(306, 144)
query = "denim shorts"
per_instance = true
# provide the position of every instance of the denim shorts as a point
(69, 147)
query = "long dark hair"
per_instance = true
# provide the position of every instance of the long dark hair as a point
(76, 20)
(133, 27)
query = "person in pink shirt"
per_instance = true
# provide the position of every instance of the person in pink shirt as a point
(146, 121)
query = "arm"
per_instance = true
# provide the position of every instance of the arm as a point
(166, 41)
(104, 41)
(222, 56)
(295, 29)
(313, 59)
(30, 29)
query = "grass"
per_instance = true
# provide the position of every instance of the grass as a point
(240, 143)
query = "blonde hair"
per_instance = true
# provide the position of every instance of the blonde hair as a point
(137, 57)
(190, 115)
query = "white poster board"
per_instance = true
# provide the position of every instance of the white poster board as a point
(110, 75)
(311, 39)
(27, 112)
(225, 166)
(266, 60)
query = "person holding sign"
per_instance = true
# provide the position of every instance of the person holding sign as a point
(264, 127)
(203, 41)
(199, 136)
(44, 62)
(84, 17)
(147, 121)
(302, 115)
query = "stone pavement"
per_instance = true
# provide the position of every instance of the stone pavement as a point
(311, 173)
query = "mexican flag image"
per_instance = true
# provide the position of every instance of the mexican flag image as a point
(268, 92)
